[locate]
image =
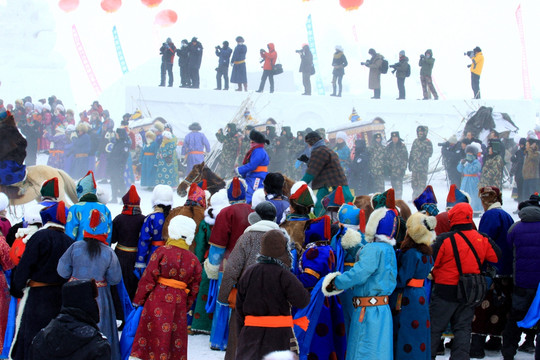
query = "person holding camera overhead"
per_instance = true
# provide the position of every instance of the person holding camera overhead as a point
(374, 64)
(306, 67)
(224, 54)
(269, 57)
(167, 52)
(426, 67)
(402, 69)
(476, 69)
(195, 51)
(339, 62)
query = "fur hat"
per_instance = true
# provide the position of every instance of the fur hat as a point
(82, 127)
(195, 126)
(258, 137)
(32, 214)
(274, 245)
(382, 225)
(257, 197)
(302, 194)
(456, 196)
(471, 149)
(427, 201)
(273, 184)
(150, 135)
(81, 294)
(422, 128)
(167, 135)
(49, 189)
(182, 227)
(162, 195)
(87, 185)
(236, 190)
(159, 126)
(386, 199)
(218, 201)
(131, 197)
(56, 213)
(395, 134)
(490, 195)
(342, 135)
(421, 228)
(4, 201)
(452, 139)
(265, 210)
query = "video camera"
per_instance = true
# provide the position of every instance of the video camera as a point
(469, 53)
(218, 47)
(366, 63)
(446, 143)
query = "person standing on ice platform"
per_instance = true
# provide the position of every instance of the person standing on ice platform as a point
(238, 74)
(167, 52)
(476, 69)
(269, 57)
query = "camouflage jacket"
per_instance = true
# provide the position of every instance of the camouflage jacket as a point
(376, 159)
(231, 146)
(492, 171)
(396, 158)
(421, 151)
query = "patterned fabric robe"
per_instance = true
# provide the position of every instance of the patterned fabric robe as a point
(162, 331)
(150, 232)
(6, 264)
(167, 163)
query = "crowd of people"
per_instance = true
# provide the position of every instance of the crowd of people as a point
(261, 266)
(190, 57)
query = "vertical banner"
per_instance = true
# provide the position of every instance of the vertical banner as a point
(84, 60)
(119, 52)
(311, 42)
(524, 66)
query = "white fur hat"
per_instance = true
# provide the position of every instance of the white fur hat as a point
(167, 135)
(421, 228)
(182, 227)
(297, 186)
(342, 135)
(32, 215)
(257, 197)
(162, 195)
(4, 201)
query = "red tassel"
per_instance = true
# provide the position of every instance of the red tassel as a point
(56, 191)
(327, 227)
(93, 179)
(95, 218)
(390, 199)
(236, 187)
(362, 221)
(204, 184)
(299, 192)
(61, 213)
(133, 196)
(339, 199)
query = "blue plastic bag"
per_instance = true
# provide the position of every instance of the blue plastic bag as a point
(128, 334)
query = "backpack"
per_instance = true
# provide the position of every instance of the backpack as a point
(408, 71)
(384, 66)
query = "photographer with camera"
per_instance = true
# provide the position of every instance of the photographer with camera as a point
(306, 67)
(476, 69)
(224, 54)
(167, 52)
(402, 69)
(426, 67)
(374, 64)
(269, 58)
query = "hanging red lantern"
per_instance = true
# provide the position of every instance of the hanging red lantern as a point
(111, 6)
(151, 3)
(68, 5)
(350, 5)
(166, 18)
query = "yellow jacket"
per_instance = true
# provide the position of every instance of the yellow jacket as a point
(478, 63)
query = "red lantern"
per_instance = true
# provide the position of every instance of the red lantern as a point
(166, 18)
(111, 6)
(350, 4)
(68, 5)
(151, 3)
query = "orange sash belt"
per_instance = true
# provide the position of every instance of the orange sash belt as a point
(158, 243)
(261, 169)
(416, 283)
(470, 175)
(33, 283)
(312, 273)
(276, 321)
(149, 154)
(55, 152)
(177, 284)
(351, 264)
(81, 155)
(196, 152)
(239, 62)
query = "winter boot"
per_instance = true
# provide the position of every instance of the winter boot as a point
(528, 345)
(477, 346)
(494, 343)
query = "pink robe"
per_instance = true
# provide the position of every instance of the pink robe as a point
(6, 264)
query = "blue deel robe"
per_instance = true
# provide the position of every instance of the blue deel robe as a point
(412, 327)
(374, 274)
(469, 184)
(76, 263)
(254, 180)
(148, 164)
(78, 219)
(495, 222)
(81, 150)
(150, 232)
(239, 74)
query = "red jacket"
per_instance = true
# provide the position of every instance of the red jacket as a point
(269, 57)
(445, 270)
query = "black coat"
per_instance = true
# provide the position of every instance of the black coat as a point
(183, 55)
(13, 144)
(306, 62)
(72, 335)
(195, 52)
(359, 177)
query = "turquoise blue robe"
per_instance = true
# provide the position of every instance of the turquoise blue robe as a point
(148, 164)
(469, 184)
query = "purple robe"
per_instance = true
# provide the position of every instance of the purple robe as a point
(195, 144)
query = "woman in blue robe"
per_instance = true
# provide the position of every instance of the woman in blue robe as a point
(470, 167)
(148, 160)
(167, 161)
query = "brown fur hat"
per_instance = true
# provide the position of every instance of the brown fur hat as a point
(421, 228)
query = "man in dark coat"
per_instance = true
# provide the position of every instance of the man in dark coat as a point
(360, 178)
(452, 153)
(167, 52)
(183, 54)
(195, 52)
(324, 169)
(37, 270)
(12, 151)
(224, 55)
(266, 291)
(402, 69)
(306, 67)
(74, 333)
(517, 168)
